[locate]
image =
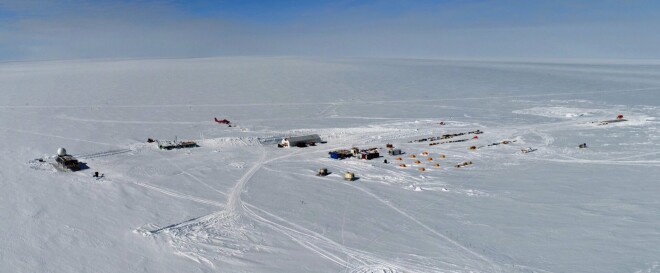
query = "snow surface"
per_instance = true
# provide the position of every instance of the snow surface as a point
(239, 204)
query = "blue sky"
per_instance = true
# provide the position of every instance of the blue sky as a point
(75, 29)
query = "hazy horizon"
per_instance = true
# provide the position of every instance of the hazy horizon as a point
(80, 29)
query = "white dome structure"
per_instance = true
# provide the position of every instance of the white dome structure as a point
(61, 151)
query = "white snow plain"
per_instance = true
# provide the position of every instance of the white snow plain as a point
(238, 203)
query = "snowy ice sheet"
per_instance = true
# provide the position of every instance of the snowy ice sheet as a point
(239, 204)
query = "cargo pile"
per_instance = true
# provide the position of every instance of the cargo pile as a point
(447, 136)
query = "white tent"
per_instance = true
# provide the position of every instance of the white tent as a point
(301, 140)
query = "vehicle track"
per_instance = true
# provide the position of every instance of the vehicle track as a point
(57, 136)
(492, 265)
(234, 198)
(178, 194)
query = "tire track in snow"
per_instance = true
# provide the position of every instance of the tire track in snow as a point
(56, 136)
(235, 195)
(321, 243)
(496, 267)
(302, 238)
(491, 264)
(332, 107)
(295, 236)
(178, 194)
(639, 155)
(192, 176)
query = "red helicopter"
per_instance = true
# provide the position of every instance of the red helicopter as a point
(224, 121)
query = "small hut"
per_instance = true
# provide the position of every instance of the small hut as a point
(394, 152)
